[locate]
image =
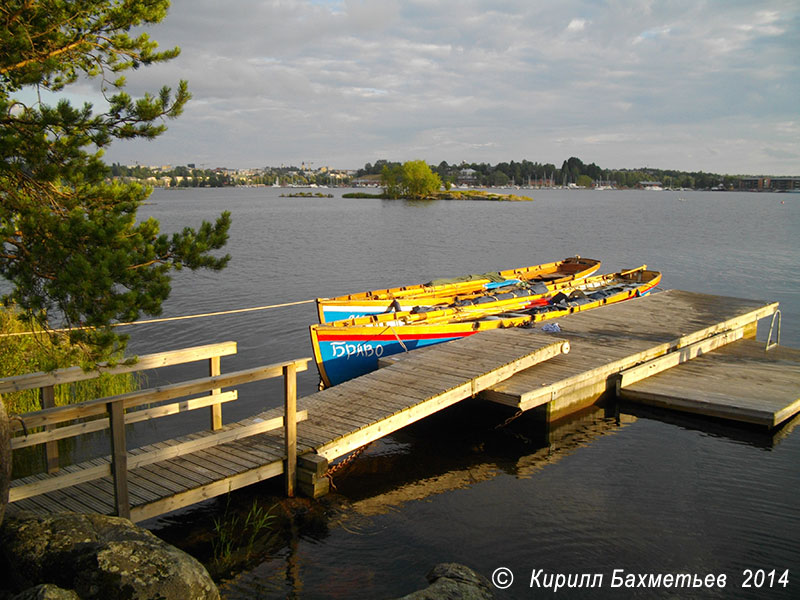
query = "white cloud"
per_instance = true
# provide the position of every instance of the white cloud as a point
(577, 25)
(484, 80)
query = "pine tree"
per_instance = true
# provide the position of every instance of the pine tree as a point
(71, 245)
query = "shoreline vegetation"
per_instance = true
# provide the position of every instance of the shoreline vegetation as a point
(573, 173)
(27, 348)
(446, 195)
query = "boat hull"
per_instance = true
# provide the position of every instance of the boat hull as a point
(348, 349)
(407, 298)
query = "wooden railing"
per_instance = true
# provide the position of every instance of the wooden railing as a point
(115, 412)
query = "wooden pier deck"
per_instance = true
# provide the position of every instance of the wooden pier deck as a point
(740, 381)
(607, 341)
(169, 475)
(526, 369)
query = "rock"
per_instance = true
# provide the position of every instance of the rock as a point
(5, 459)
(99, 557)
(47, 591)
(451, 581)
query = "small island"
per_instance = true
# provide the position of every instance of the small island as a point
(307, 195)
(414, 180)
(447, 195)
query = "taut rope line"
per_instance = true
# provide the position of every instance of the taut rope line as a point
(167, 319)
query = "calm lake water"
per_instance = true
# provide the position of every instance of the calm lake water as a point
(652, 493)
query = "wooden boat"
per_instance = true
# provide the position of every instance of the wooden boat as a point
(349, 348)
(444, 292)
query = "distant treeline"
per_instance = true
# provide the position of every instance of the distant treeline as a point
(190, 176)
(573, 170)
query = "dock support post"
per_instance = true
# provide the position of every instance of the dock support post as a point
(48, 395)
(216, 409)
(311, 479)
(119, 459)
(290, 426)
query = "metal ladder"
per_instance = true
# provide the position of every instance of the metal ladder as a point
(777, 341)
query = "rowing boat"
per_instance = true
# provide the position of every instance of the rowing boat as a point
(349, 348)
(445, 292)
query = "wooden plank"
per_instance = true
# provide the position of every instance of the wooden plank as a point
(678, 356)
(213, 455)
(205, 464)
(589, 361)
(208, 491)
(174, 472)
(86, 504)
(158, 394)
(119, 460)
(233, 458)
(735, 382)
(130, 417)
(18, 492)
(252, 453)
(48, 394)
(216, 409)
(265, 442)
(376, 430)
(210, 440)
(290, 427)
(169, 477)
(312, 434)
(157, 489)
(150, 361)
(102, 488)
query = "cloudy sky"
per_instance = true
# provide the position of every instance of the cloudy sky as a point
(710, 85)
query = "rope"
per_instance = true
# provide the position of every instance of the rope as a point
(167, 319)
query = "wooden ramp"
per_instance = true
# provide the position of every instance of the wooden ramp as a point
(176, 473)
(356, 412)
(608, 340)
(740, 381)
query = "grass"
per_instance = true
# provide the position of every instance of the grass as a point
(36, 351)
(42, 351)
(238, 537)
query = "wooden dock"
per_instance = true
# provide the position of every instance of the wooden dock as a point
(636, 345)
(740, 381)
(608, 341)
(175, 473)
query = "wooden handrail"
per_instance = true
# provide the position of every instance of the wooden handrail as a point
(46, 381)
(60, 414)
(137, 457)
(30, 381)
(68, 431)
(114, 407)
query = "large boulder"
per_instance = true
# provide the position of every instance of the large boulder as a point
(99, 557)
(451, 581)
(46, 591)
(5, 459)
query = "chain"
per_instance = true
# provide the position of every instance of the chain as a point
(339, 466)
(508, 421)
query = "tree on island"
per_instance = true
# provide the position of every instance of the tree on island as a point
(71, 246)
(412, 179)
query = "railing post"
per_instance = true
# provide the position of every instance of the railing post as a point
(48, 395)
(216, 409)
(290, 426)
(119, 459)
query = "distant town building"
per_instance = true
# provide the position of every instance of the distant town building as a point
(770, 184)
(467, 176)
(650, 185)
